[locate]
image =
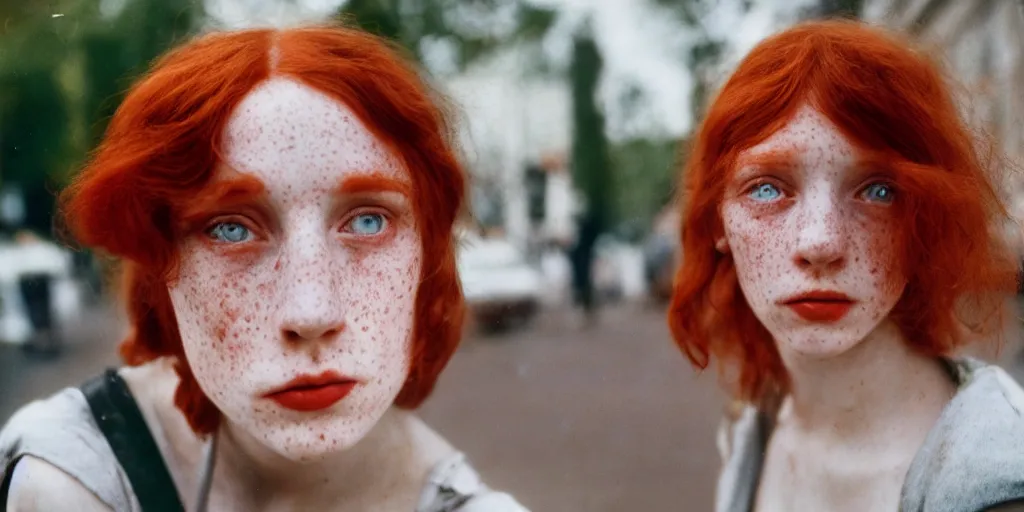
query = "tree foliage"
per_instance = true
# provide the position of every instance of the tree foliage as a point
(64, 66)
(643, 181)
(473, 29)
(591, 170)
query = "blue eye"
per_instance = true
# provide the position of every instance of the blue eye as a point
(230, 232)
(367, 224)
(764, 192)
(880, 192)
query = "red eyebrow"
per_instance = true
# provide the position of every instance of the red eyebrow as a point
(364, 183)
(221, 193)
(782, 159)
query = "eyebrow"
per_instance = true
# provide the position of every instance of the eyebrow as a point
(221, 193)
(369, 183)
(779, 158)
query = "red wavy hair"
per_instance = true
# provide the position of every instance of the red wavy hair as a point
(162, 144)
(892, 103)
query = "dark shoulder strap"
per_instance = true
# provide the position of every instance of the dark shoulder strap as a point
(118, 417)
(5, 485)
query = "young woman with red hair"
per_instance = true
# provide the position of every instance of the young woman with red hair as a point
(283, 204)
(839, 241)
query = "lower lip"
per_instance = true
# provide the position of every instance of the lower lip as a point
(821, 311)
(313, 398)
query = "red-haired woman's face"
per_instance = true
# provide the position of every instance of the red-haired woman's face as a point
(813, 238)
(300, 260)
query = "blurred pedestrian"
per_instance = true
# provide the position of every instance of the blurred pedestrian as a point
(581, 257)
(35, 285)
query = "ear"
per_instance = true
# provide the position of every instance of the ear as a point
(722, 245)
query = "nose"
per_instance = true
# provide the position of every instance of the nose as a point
(308, 328)
(821, 245)
(309, 300)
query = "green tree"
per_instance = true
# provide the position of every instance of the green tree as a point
(475, 29)
(34, 111)
(64, 66)
(838, 8)
(590, 166)
(117, 51)
(643, 181)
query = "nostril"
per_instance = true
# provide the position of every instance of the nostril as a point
(312, 332)
(822, 263)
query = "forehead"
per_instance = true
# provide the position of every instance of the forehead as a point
(808, 138)
(285, 132)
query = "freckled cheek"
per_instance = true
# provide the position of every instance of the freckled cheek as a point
(383, 291)
(757, 246)
(877, 266)
(880, 250)
(384, 274)
(225, 309)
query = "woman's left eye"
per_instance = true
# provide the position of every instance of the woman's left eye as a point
(879, 192)
(764, 192)
(230, 232)
(367, 224)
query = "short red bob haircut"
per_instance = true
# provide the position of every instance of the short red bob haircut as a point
(892, 103)
(161, 146)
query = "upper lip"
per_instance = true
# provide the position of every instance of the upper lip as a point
(818, 296)
(311, 381)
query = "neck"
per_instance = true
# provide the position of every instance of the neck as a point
(879, 385)
(375, 466)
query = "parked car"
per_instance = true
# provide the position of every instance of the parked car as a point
(502, 290)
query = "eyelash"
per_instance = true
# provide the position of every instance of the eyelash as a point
(387, 221)
(782, 193)
(230, 220)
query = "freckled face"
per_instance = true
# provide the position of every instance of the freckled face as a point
(801, 215)
(302, 257)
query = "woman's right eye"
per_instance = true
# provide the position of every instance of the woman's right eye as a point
(230, 232)
(764, 192)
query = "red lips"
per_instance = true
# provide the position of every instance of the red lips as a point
(820, 305)
(307, 393)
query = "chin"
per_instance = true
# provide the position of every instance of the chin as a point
(818, 342)
(312, 441)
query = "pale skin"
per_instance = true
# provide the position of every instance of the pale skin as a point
(801, 213)
(316, 270)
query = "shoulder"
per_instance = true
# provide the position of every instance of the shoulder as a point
(454, 486)
(738, 427)
(58, 434)
(741, 444)
(1013, 506)
(974, 455)
(492, 501)
(39, 485)
(153, 386)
